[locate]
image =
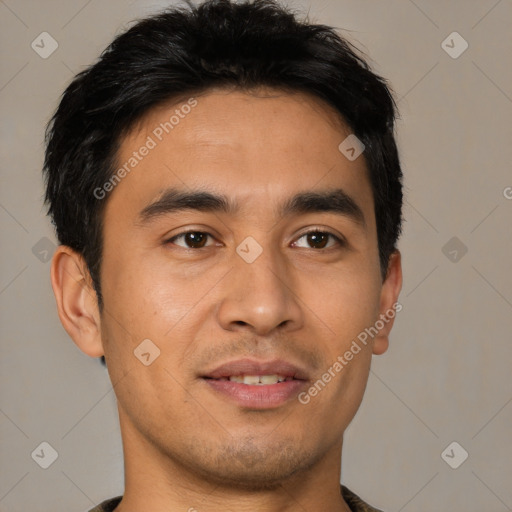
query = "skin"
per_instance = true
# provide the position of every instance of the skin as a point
(186, 447)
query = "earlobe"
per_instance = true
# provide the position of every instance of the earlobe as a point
(389, 305)
(76, 300)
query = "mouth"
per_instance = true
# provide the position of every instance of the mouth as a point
(256, 380)
(257, 385)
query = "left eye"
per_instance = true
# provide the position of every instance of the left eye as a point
(318, 239)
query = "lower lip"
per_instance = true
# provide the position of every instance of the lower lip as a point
(268, 396)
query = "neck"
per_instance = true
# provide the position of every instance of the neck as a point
(157, 482)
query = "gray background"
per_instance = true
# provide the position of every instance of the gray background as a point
(446, 376)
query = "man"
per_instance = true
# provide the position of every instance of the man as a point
(226, 191)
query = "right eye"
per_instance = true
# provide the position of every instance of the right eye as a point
(191, 239)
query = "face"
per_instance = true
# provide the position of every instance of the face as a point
(271, 279)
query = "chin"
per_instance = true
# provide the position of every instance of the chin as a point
(250, 467)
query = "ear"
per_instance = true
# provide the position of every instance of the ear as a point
(76, 298)
(389, 305)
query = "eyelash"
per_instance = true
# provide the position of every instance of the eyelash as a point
(340, 241)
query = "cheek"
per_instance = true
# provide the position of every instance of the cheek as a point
(156, 302)
(148, 298)
(347, 303)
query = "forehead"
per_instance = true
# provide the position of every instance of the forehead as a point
(258, 147)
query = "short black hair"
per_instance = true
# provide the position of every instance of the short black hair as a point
(187, 50)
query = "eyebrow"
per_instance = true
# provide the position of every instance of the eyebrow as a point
(174, 200)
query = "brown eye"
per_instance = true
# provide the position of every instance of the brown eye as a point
(319, 240)
(191, 239)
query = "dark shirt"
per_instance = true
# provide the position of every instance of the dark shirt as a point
(355, 503)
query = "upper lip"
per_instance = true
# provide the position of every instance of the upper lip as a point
(254, 367)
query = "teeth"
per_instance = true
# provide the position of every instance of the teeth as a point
(251, 379)
(270, 379)
(258, 380)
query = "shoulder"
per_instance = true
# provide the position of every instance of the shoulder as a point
(107, 505)
(355, 503)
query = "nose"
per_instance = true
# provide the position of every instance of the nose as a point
(260, 296)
